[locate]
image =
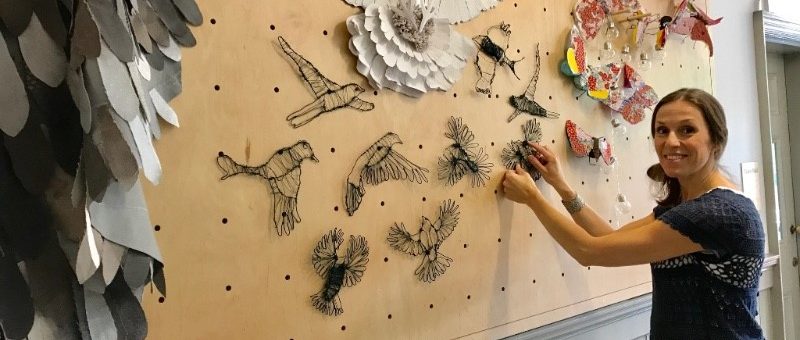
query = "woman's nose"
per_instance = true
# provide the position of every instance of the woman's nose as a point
(672, 139)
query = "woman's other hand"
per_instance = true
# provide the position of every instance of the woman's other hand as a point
(550, 167)
(518, 186)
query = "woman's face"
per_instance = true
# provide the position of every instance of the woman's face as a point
(682, 140)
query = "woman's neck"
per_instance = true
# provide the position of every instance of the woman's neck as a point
(699, 184)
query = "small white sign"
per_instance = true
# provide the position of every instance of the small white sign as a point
(752, 184)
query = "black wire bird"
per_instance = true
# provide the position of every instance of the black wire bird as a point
(517, 151)
(525, 102)
(427, 241)
(493, 54)
(282, 172)
(463, 156)
(338, 272)
(379, 163)
(329, 95)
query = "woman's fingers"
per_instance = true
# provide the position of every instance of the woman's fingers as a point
(536, 163)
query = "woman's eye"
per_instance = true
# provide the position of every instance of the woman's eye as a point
(661, 130)
(687, 130)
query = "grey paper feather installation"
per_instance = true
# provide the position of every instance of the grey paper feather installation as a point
(84, 83)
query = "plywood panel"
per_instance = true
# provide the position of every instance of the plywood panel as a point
(230, 275)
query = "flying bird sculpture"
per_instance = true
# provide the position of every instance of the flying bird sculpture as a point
(329, 96)
(282, 173)
(427, 241)
(338, 271)
(380, 163)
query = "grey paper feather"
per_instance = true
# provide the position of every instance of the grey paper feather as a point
(13, 98)
(111, 254)
(85, 38)
(117, 82)
(44, 57)
(175, 24)
(126, 312)
(162, 107)
(16, 15)
(112, 29)
(113, 148)
(122, 70)
(190, 11)
(50, 16)
(81, 98)
(101, 323)
(155, 27)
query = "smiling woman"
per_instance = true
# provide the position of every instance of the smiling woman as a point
(689, 132)
(704, 239)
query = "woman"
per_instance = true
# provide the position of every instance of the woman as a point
(704, 240)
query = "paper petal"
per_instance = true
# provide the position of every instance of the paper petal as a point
(45, 59)
(140, 32)
(13, 98)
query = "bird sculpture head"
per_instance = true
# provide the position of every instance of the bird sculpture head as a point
(302, 150)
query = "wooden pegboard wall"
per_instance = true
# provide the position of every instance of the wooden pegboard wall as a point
(230, 275)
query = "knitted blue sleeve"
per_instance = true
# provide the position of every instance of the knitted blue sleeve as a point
(721, 221)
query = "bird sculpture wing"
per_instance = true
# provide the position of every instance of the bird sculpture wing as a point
(400, 239)
(446, 221)
(284, 192)
(355, 260)
(318, 83)
(325, 257)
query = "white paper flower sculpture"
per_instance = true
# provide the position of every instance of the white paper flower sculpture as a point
(403, 47)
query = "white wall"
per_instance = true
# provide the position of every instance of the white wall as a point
(735, 81)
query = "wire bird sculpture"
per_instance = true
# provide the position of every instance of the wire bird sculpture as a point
(329, 95)
(380, 163)
(282, 172)
(584, 144)
(491, 54)
(338, 272)
(516, 152)
(525, 102)
(427, 241)
(463, 157)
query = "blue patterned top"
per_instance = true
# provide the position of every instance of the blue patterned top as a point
(711, 294)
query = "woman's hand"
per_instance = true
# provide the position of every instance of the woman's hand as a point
(546, 162)
(519, 187)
